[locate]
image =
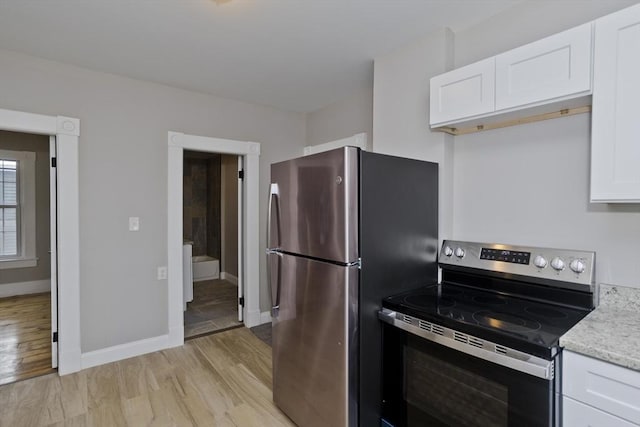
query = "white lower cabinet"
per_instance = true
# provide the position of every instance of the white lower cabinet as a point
(576, 414)
(597, 393)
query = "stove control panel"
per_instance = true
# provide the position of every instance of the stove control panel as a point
(570, 266)
(505, 255)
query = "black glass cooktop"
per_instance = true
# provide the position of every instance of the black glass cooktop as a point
(524, 325)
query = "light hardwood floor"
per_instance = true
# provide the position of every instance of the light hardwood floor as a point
(25, 331)
(218, 380)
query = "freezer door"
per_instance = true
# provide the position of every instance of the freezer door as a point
(314, 205)
(315, 342)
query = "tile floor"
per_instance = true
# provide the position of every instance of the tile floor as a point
(214, 308)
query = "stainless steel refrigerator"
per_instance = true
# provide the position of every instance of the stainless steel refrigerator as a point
(346, 228)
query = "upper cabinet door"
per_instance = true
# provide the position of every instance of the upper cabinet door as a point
(463, 93)
(556, 67)
(615, 132)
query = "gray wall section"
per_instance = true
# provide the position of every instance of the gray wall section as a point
(39, 144)
(342, 119)
(230, 214)
(123, 172)
(401, 111)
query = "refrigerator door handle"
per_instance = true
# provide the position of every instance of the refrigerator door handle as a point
(274, 193)
(275, 301)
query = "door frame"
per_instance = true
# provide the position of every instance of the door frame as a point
(53, 246)
(67, 133)
(250, 151)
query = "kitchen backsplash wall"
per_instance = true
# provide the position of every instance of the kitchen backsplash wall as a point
(529, 184)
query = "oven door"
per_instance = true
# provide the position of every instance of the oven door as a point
(430, 384)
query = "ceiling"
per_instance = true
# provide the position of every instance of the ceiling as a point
(296, 55)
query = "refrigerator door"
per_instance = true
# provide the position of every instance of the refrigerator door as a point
(315, 341)
(314, 206)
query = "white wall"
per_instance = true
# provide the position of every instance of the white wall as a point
(347, 117)
(526, 22)
(401, 111)
(526, 184)
(123, 172)
(530, 184)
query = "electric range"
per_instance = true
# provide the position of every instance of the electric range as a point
(493, 323)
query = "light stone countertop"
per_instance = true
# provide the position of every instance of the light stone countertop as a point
(612, 331)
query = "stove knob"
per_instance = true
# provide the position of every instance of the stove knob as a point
(557, 264)
(448, 251)
(460, 252)
(577, 266)
(540, 262)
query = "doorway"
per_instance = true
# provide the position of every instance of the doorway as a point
(28, 298)
(211, 205)
(66, 132)
(248, 255)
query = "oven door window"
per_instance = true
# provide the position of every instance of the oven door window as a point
(427, 384)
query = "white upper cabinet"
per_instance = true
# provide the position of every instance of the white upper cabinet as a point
(554, 68)
(463, 93)
(540, 74)
(615, 132)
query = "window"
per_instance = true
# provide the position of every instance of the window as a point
(9, 208)
(17, 209)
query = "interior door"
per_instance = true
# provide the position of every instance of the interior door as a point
(53, 186)
(240, 239)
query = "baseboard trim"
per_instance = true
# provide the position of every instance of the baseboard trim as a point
(202, 279)
(25, 288)
(125, 351)
(229, 278)
(69, 361)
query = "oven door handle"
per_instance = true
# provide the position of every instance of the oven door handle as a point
(471, 345)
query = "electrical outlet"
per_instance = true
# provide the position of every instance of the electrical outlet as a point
(162, 273)
(134, 223)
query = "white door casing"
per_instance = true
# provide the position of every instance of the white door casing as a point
(53, 252)
(250, 151)
(67, 132)
(240, 265)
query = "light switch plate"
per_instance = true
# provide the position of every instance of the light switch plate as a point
(162, 273)
(134, 223)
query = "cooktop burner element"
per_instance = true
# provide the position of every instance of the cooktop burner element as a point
(505, 321)
(509, 295)
(489, 299)
(547, 312)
